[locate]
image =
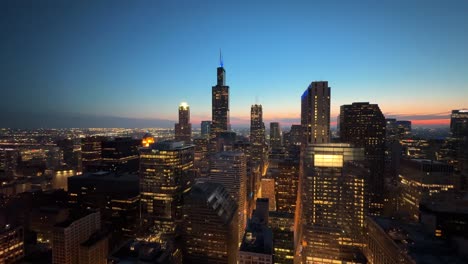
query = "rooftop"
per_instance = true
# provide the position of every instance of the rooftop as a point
(257, 239)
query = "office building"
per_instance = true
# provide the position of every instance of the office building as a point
(268, 191)
(115, 195)
(257, 134)
(71, 233)
(220, 103)
(333, 202)
(165, 171)
(210, 225)
(423, 181)
(286, 185)
(282, 225)
(389, 241)
(91, 153)
(257, 243)
(183, 129)
(205, 129)
(120, 154)
(363, 125)
(229, 168)
(11, 244)
(276, 136)
(315, 113)
(201, 156)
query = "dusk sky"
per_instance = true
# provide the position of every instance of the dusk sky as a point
(140, 59)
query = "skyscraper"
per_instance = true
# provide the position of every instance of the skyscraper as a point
(229, 168)
(333, 202)
(120, 154)
(183, 129)
(205, 128)
(70, 237)
(315, 113)
(165, 167)
(363, 125)
(91, 153)
(275, 135)
(210, 227)
(459, 123)
(220, 103)
(459, 130)
(286, 185)
(257, 133)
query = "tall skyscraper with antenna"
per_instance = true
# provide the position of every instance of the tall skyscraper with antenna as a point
(220, 102)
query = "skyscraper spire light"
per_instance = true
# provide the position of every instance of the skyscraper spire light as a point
(220, 59)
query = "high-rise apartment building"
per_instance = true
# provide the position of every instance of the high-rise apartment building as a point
(165, 169)
(276, 136)
(183, 129)
(315, 113)
(363, 125)
(229, 168)
(210, 225)
(333, 202)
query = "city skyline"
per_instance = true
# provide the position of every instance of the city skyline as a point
(136, 63)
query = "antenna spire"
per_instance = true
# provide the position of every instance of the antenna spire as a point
(220, 59)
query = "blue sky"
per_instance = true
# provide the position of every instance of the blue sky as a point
(140, 59)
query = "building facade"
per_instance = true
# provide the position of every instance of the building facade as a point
(229, 168)
(363, 125)
(315, 113)
(333, 202)
(165, 169)
(210, 230)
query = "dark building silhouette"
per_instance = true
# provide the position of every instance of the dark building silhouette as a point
(120, 154)
(183, 129)
(210, 225)
(91, 153)
(363, 125)
(115, 195)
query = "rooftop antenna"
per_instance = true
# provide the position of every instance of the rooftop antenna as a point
(256, 99)
(220, 58)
